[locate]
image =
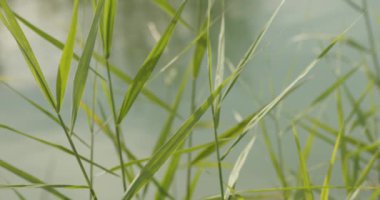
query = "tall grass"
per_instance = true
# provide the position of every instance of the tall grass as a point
(350, 170)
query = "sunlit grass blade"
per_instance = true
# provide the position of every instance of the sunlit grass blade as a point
(67, 55)
(235, 172)
(55, 146)
(164, 5)
(148, 66)
(84, 63)
(120, 74)
(30, 178)
(303, 166)
(9, 20)
(337, 145)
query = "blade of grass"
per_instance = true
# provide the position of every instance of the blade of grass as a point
(303, 166)
(20, 186)
(67, 55)
(148, 66)
(216, 106)
(172, 168)
(337, 145)
(165, 6)
(84, 63)
(30, 178)
(124, 77)
(235, 172)
(274, 159)
(10, 22)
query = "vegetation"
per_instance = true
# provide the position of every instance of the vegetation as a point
(349, 132)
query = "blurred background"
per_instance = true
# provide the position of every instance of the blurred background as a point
(301, 30)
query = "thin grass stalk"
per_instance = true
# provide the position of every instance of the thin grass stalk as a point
(215, 108)
(72, 145)
(92, 136)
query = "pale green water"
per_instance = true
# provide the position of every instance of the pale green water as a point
(279, 58)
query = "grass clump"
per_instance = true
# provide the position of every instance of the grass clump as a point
(178, 161)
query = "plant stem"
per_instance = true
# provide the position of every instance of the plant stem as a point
(72, 145)
(117, 125)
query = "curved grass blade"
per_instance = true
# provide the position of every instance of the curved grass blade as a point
(28, 177)
(14, 28)
(84, 64)
(67, 55)
(235, 172)
(148, 66)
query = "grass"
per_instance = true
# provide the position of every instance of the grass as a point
(178, 162)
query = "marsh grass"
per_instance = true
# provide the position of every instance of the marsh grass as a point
(353, 137)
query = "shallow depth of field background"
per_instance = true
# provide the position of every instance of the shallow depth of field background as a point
(295, 38)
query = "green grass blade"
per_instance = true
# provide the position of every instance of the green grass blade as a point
(170, 120)
(165, 6)
(84, 63)
(252, 49)
(14, 28)
(200, 50)
(235, 172)
(159, 158)
(148, 66)
(30, 178)
(63, 186)
(107, 25)
(303, 166)
(66, 58)
(274, 159)
(338, 141)
(128, 80)
(120, 74)
(368, 168)
(334, 86)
